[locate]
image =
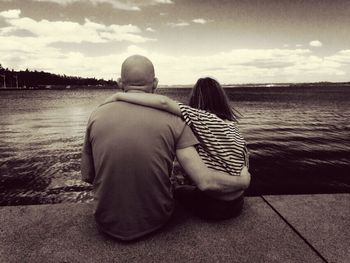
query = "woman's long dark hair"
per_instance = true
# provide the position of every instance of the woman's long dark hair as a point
(207, 94)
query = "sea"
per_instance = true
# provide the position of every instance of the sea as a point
(298, 139)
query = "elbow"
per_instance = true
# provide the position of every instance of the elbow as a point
(246, 186)
(87, 180)
(164, 103)
(207, 185)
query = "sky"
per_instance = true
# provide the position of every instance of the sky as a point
(234, 41)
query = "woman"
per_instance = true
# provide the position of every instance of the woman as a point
(221, 146)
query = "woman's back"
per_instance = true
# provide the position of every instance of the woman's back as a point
(221, 145)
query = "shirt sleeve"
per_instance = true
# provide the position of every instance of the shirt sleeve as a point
(186, 139)
(188, 114)
(87, 144)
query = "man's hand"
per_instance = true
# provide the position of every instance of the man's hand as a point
(209, 180)
(245, 178)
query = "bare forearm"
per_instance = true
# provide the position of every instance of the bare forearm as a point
(222, 183)
(209, 180)
(111, 98)
(150, 100)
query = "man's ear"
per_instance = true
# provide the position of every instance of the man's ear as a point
(120, 83)
(155, 84)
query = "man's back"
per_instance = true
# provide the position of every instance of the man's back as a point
(133, 148)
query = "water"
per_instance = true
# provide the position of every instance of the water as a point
(298, 139)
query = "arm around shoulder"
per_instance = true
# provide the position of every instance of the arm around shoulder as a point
(156, 101)
(111, 98)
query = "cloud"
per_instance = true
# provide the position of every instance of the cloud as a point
(267, 63)
(342, 57)
(133, 49)
(247, 65)
(183, 23)
(48, 32)
(296, 45)
(178, 24)
(164, 1)
(315, 43)
(150, 29)
(130, 5)
(200, 21)
(10, 14)
(235, 66)
(28, 43)
(61, 2)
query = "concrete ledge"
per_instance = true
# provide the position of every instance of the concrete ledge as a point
(67, 233)
(323, 220)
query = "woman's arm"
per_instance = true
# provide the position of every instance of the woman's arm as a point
(149, 100)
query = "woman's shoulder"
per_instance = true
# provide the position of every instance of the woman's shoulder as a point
(198, 113)
(231, 124)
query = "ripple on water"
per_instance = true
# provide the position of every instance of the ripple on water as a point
(298, 142)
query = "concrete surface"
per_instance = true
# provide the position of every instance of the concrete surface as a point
(67, 233)
(323, 220)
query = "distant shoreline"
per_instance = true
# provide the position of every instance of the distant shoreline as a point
(102, 87)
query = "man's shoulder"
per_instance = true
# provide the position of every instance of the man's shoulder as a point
(107, 109)
(133, 111)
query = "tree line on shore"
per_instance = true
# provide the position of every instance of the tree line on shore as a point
(33, 79)
(10, 78)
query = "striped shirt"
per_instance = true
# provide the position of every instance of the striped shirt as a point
(221, 145)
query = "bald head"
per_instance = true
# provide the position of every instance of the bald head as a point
(137, 73)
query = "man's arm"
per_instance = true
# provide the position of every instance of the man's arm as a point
(87, 168)
(149, 100)
(208, 180)
(87, 162)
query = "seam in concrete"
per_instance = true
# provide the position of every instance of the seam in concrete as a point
(294, 229)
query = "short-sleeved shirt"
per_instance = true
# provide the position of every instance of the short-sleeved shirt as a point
(221, 145)
(133, 148)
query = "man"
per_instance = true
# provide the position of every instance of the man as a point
(128, 154)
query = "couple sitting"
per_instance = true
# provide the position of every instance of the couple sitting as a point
(132, 140)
